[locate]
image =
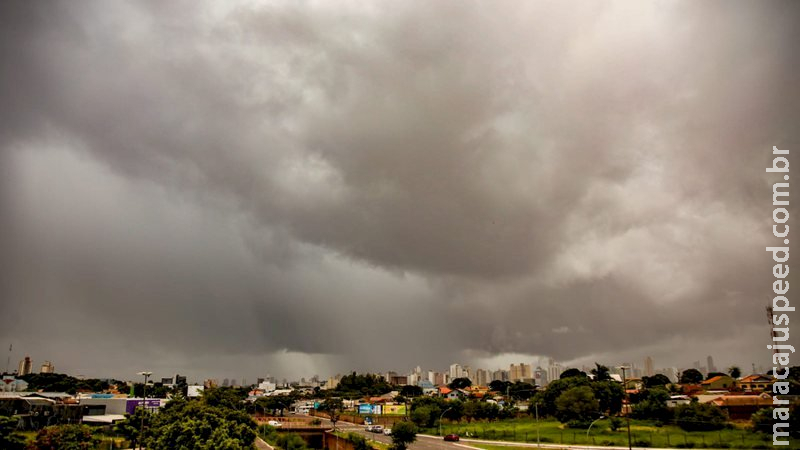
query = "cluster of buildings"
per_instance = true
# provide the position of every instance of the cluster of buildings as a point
(26, 367)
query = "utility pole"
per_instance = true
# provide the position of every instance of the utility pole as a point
(144, 407)
(627, 413)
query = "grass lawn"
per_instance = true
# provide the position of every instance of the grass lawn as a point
(643, 434)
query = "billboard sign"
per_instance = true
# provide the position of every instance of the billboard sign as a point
(152, 403)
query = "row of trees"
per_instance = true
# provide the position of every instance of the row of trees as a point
(217, 420)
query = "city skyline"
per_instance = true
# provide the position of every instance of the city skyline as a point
(235, 188)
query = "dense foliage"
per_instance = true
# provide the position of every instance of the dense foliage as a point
(577, 407)
(59, 382)
(357, 385)
(9, 438)
(700, 417)
(653, 405)
(403, 434)
(65, 437)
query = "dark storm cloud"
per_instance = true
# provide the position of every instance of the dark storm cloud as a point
(297, 185)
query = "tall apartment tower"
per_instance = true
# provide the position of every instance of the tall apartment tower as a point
(649, 369)
(48, 367)
(710, 364)
(25, 366)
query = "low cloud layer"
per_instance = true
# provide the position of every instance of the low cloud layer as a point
(298, 188)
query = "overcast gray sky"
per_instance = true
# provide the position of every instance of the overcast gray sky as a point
(230, 189)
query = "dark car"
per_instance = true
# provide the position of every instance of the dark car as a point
(451, 438)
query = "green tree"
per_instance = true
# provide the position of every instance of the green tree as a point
(691, 376)
(359, 441)
(403, 434)
(700, 417)
(132, 425)
(9, 438)
(499, 386)
(193, 425)
(410, 391)
(735, 372)
(333, 407)
(609, 394)
(226, 397)
(653, 405)
(521, 390)
(547, 398)
(460, 383)
(570, 373)
(762, 420)
(65, 437)
(600, 373)
(656, 380)
(577, 406)
(425, 416)
(291, 441)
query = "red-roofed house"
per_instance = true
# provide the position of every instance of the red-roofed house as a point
(756, 383)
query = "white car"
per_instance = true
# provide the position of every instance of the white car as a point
(274, 423)
(387, 431)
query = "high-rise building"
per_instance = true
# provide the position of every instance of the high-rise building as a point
(48, 367)
(25, 366)
(710, 364)
(482, 377)
(540, 376)
(554, 371)
(521, 371)
(456, 371)
(649, 369)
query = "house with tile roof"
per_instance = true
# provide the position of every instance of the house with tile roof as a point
(719, 382)
(756, 383)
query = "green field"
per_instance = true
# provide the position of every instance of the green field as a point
(643, 434)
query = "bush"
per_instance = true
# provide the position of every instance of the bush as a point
(641, 443)
(700, 417)
(684, 445)
(78, 437)
(616, 423)
(578, 424)
(315, 422)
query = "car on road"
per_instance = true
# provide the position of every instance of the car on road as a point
(451, 438)
(274, 423)
(377, 429)
(387, 431)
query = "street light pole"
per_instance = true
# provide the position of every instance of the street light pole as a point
(144, 407)
(440, 419)
(536, 408)
(627, 413)
(590, 425)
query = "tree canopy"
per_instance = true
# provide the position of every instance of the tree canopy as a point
(403, 434)
(691, 376)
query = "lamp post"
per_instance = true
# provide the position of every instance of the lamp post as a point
(625, 397)
(593, 422)
(536, 408)
(144, 407)
(440, 419)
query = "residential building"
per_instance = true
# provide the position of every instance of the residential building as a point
(755, 383)
(500, 375)
(456, 371)
(25, 366)
(710, 364)
(482, 377)
(742, 407)
(519, 372)
(47, 367)
(649, 367)
(719, 382)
